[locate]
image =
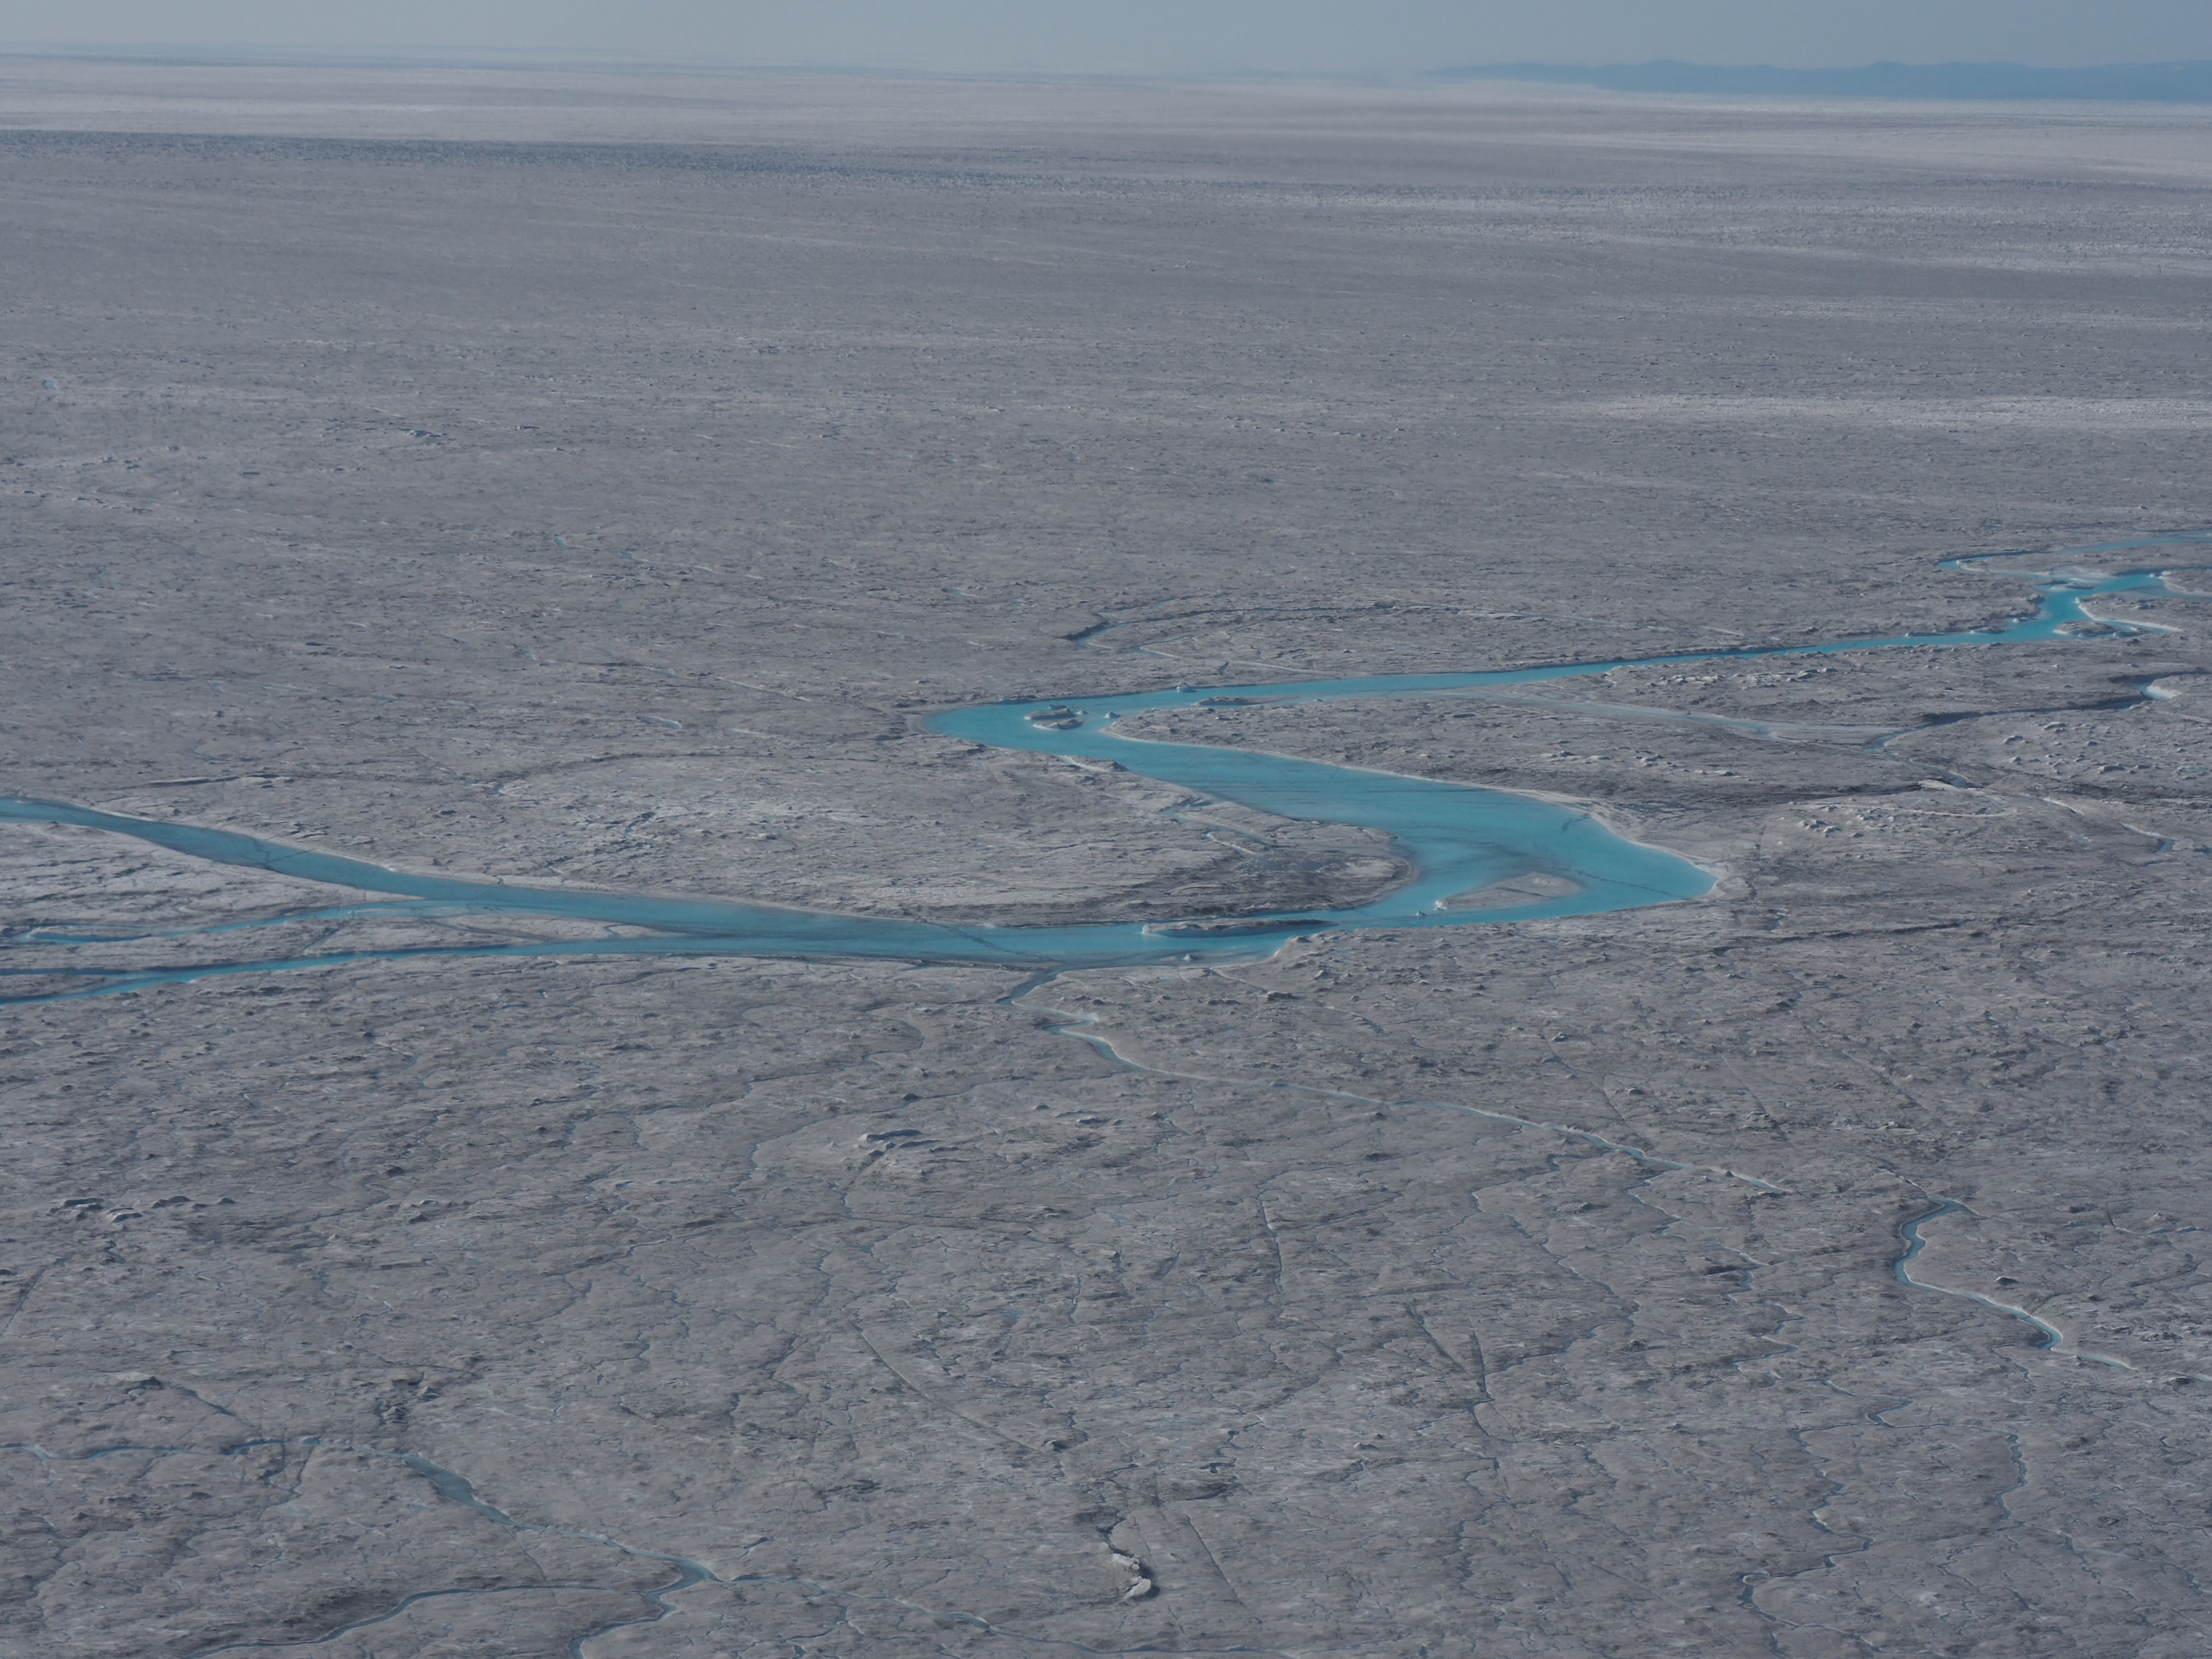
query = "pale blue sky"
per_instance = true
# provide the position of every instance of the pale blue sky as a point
(1114, 36)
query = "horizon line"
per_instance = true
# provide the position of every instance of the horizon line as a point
(2175, 79)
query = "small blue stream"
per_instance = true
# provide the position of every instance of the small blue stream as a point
(1457, 837)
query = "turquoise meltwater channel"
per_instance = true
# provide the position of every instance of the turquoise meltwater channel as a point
(1457, 838)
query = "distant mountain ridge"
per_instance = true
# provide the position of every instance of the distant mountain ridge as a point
(2180, 83)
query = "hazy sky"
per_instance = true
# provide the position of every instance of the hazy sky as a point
(1174, 35)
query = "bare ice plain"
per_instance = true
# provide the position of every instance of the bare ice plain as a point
(852, 868)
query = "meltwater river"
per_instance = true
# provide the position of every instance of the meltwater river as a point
(1456, 837)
